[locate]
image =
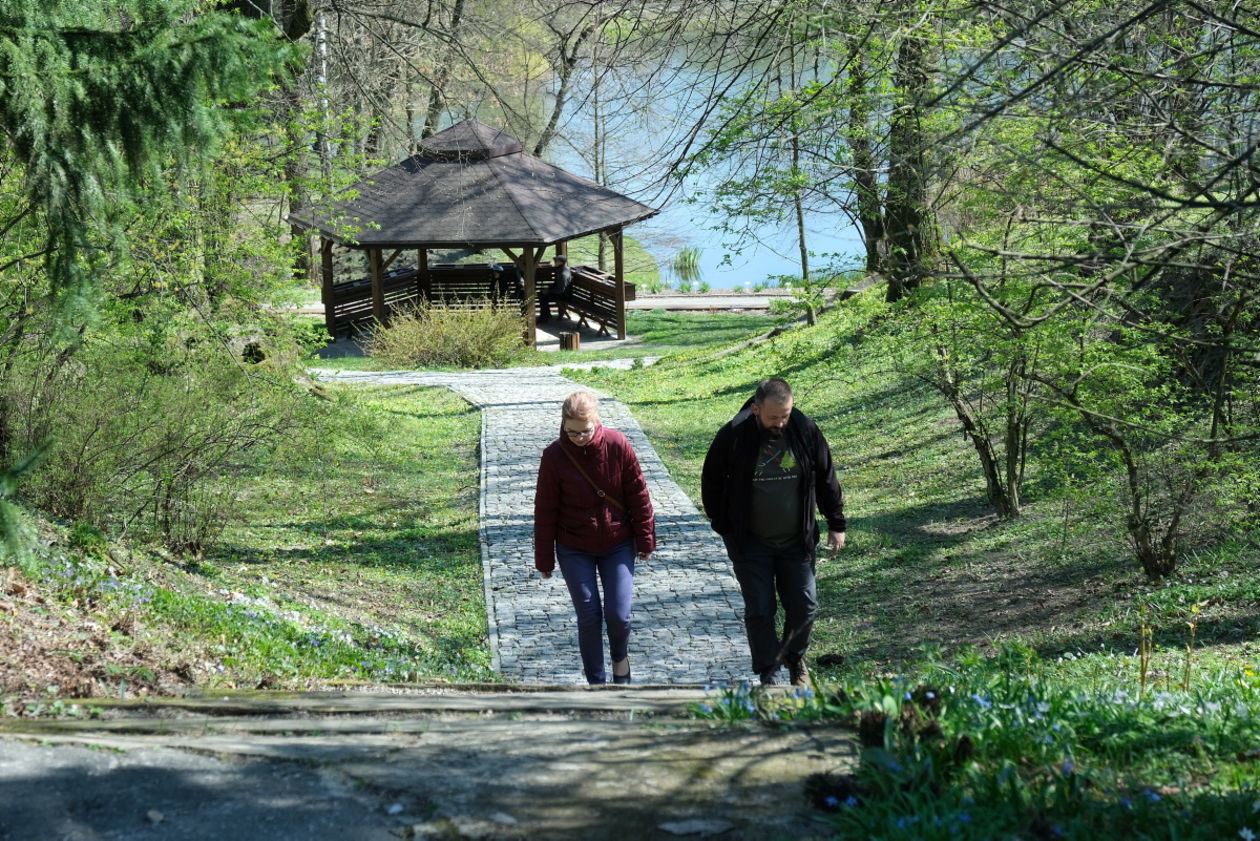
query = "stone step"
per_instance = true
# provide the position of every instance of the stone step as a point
(568, 765)
(398, 700)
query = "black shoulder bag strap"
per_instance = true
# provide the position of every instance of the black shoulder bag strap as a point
(599, 492)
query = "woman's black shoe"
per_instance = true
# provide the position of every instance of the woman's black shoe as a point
(622, 679)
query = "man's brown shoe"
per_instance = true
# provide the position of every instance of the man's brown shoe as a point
(798, 671)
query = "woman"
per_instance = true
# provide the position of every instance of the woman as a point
(593, 514)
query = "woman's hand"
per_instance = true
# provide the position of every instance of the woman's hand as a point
(645, 556)
(544, 574)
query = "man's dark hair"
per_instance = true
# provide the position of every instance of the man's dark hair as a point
(775, 390)
(560, 258)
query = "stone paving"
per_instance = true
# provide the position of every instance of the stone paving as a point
(687, 610)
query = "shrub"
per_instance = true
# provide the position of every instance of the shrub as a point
(148, 428)
(486, 336)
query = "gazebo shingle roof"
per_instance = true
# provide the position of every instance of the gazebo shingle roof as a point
(473, 185)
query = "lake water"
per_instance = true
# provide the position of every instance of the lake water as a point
(732, 266)
(641, 147)
(767, 252)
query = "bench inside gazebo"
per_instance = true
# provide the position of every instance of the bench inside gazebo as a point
(591, 301)
(473, 188)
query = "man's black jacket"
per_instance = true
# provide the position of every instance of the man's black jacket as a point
(726, 482)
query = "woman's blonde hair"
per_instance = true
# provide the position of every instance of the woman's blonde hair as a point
(580, 405)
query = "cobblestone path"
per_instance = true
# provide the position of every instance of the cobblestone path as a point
(687, 610)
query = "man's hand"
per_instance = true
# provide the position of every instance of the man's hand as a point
(835, 541)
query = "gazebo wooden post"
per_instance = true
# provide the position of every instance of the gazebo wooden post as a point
(326, 285)
(378, 285)
(619, 275)
(529, 264)
(423, 283)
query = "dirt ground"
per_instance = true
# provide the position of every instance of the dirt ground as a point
(49, 650)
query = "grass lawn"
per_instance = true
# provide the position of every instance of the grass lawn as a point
(374, 547)
(926, 562)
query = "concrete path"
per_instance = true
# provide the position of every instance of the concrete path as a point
(687, 614)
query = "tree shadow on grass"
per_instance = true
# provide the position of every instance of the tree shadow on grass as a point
(913, 581)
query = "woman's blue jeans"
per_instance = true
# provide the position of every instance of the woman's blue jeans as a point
(615, 571)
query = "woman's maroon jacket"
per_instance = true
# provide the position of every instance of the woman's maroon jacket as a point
(569, 512)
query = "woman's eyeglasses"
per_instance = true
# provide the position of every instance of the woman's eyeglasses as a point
(579, 433)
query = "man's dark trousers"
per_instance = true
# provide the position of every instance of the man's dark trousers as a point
(762, 571)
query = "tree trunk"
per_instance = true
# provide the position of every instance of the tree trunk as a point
(997, 487)
(569, 49)
(865, 180)
(910, 233)
(433, 113)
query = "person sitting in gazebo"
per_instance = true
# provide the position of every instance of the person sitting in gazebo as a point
(558, 291)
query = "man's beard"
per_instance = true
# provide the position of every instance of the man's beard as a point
(774, 432)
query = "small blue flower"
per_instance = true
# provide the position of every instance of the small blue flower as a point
(984, 703)
(930, 695)
(705, 708)
(832, 801)
(1067, 767)
(1152, 796)
(851, 801)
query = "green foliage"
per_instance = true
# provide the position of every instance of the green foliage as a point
(15, 530)
(442, 335)
(685, 265)
(149, 424)
(808, 297)
(359, 561)
(1012, 745)
(96, 111)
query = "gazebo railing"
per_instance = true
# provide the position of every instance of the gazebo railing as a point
(592, 297)
(352, 301)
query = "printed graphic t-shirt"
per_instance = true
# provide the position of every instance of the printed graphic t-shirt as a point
(776, 500)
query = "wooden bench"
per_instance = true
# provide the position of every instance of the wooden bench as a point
(464, 286)
(592, 298)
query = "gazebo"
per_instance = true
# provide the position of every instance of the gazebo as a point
(469, 187)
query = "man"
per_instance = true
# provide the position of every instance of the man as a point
(766, 471)
(559, 288)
